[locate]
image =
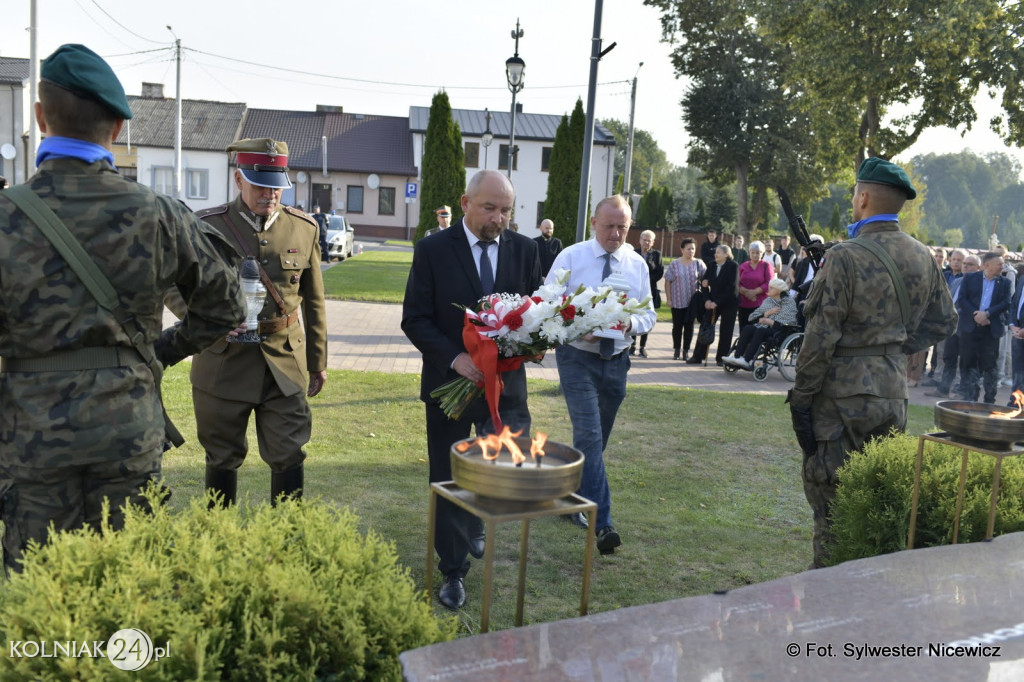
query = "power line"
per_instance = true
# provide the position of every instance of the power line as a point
(378, 82)
(110, 16)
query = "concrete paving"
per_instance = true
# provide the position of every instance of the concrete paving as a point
(368, 337)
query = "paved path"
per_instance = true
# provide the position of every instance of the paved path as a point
(368, 337)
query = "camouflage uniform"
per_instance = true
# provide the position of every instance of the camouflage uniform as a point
(231, 380)
(70, 438)
(857, 387)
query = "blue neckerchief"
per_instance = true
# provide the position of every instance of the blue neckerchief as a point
(56, 147)
(852, 230)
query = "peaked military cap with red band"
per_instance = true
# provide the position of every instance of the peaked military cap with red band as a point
(262, 161)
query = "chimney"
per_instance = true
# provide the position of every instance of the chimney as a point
(519, 107)
(153, 90)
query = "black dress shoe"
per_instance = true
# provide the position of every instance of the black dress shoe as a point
(694, 361)
(577, 519)
(477, 546)
(607, 540)
(453, 592)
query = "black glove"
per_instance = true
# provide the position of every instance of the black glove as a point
(803, 426)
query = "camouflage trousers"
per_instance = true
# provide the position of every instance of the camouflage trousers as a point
(842, 426)
(68, 497)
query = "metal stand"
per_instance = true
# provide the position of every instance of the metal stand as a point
(494, 511)
(946, 439)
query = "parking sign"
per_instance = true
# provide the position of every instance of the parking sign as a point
(410, 190)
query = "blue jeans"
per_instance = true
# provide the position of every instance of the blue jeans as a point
(593, 389)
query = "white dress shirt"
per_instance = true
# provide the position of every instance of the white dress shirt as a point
(586, 263)
(477, 250)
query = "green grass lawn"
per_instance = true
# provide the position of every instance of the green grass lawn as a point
(705, 486)
(376, 276)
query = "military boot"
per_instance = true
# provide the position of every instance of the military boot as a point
(286, 483)
(224, 482)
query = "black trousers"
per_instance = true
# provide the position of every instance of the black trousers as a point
(455, 526)
(979, 355)
(682, 328)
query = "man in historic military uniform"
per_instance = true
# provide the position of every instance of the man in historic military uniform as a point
(80, 412)
(851, 379)
(273, 379)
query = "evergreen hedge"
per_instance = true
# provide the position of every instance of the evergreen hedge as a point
(294, 592)
(871, 512)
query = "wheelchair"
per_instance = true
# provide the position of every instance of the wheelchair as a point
(778, 350)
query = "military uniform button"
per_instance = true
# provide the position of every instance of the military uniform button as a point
(264, 242)
(265, 261)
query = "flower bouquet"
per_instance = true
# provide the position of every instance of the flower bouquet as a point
(504, 330)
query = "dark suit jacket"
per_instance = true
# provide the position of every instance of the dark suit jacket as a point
(657, 271)
(549, 248)
(969, 300)
(723, 286)
(1014, 319)
(443, 272)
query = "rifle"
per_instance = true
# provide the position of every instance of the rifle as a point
(815, 249)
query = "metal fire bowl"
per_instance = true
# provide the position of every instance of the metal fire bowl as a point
(557, 476)
(970, 422)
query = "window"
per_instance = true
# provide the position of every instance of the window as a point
(163, 180)
(354, 199)
(129, 172)
(386, 201)
(503, 158)
(540, 212)
(197, 184)
(472, 155)
(545, 158)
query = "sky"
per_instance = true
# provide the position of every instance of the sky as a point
(383, 56)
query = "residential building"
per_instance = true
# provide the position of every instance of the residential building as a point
(535, 136)
(144, 150)
(15, 118)
(353, 164)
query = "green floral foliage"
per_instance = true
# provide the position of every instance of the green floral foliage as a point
(871, 512)
(252, 593)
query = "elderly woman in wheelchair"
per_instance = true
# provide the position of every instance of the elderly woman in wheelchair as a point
(773, 320)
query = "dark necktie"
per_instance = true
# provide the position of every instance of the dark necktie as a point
(486, 271)
(607, 345)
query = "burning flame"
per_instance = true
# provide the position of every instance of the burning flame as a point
(492, 444)
(1019, 398)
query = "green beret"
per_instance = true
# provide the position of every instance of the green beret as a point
(83, 72)
(882, 172)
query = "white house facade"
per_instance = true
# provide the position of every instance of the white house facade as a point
(535, 136)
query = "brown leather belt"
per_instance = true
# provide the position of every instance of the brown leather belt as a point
(277, 324)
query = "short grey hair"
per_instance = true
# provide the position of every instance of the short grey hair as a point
(756, 245)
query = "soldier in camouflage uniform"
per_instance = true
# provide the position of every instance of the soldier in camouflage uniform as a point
(80, 412)
(851, 379)
(232, 381)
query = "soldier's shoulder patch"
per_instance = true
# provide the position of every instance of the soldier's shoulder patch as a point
(301, 214)
(214, 210)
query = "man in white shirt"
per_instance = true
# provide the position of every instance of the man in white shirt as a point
(592, 371)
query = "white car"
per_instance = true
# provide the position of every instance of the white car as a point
(340, 238)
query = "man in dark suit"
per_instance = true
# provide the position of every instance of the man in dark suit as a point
(983, 304)
(1017, 341)
(477, 256)
(548, 245)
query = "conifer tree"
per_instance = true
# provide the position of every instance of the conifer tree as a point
(443, 174)
(562, 203)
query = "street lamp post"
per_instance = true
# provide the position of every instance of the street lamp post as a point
(488, 136)
(514, 67)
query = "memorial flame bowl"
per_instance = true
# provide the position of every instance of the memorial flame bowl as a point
(557, 476)
(972, 422)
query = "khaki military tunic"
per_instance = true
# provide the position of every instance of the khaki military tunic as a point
(277, 368)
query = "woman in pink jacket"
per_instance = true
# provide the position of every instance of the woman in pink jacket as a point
(754, 276)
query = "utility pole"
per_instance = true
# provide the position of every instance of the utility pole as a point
(177, 117)
(629, 139)
(33, 95)
(588, 138)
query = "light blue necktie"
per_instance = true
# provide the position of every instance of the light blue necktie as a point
(607, 345)
(486, 271)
